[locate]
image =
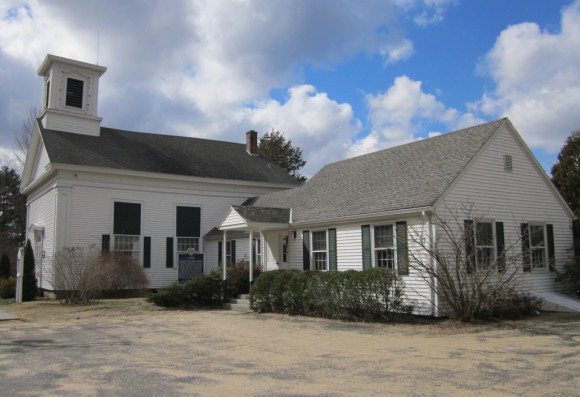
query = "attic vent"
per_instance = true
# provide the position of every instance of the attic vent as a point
(507, 163)
(74, 93)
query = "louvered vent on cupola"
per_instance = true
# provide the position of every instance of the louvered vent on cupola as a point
(74, 93)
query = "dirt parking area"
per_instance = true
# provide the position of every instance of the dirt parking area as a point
(131, 348)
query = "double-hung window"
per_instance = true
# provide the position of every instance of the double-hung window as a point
(537, 246)
(188, 226)
(384, 246)
(484, 247)
(320, 250)
(127, 229)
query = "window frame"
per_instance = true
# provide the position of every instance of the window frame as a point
(314, 261)
(180, 237)
(375, 250)
(477, 246)
(544, 248)
(118, 238)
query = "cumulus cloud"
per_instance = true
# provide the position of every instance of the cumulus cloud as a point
(537, 80)
(402, 112)
(319, 124)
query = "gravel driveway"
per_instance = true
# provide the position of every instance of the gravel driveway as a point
(221, 353)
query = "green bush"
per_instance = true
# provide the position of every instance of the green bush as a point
(260, 294)
(7, 288)
(571, 276)
(4, 266)
(517, 304)
(370, 295)
(197, 292)
(29, 286)
(238, 277)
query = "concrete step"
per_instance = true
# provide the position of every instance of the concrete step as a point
(238, 305)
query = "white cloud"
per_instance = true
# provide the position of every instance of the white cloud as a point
(320, 126)
(537, 80)
(403, 111)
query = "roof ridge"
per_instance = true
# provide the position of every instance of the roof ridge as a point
(165, 135)
(417, 141)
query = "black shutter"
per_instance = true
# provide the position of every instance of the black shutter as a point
(127, 219)
(233, 251)
(306, 250)
(551, 248)
(188, 221)
(469, 245)
(220, 251)
(105, 243)
(366, 246)
(146, 252)
(500, 247)
(169, 252)
(332, 260)
(402, 249)
(526, 265)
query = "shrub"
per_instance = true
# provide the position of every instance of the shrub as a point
(238, 277)
(4, 266)
(375, 294)
(517, 304)
(197, 292)
(170, 296)
(29, 287)
(571, 276)
(7, 288)
(260, 294)
(82, 275)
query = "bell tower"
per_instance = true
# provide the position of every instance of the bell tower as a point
(71, 93)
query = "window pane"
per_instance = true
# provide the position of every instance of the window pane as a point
(184, 243)
(128, 245)
(384, 236)
(385, 258)
(319, 241)
(320, 260)
(538, 257)
(484, 256)
(127, 218)
(537, 235)
(484, 234)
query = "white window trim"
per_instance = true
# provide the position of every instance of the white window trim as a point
(374, 249)
(545, 261)
(312, 251)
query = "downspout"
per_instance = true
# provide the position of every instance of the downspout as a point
(251, 259)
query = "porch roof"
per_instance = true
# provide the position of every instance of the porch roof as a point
(245, 218)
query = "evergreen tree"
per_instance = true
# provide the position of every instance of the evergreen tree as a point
(274, 145)
(12, 207)
(4, 266)
(566, 177)
(29, 287)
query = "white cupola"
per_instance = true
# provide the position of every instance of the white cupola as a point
(71, 93)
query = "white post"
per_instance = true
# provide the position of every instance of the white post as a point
(224, 259)
(251, 259)
(19, 274)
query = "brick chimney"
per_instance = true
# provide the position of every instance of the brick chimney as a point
(252, 142)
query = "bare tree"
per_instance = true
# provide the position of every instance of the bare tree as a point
(25, 137)
(470, 281)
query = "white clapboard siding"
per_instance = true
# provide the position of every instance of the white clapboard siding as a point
(513, 197)
(41, 210)
(90, 202)
(40, 163)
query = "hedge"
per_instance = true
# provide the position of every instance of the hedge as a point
(369, 295)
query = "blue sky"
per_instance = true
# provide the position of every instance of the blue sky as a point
(340, 78)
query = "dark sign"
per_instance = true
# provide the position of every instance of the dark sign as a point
(190, 266)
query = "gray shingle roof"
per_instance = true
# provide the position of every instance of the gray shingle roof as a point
(166, 154)
(409, 176)
(263, 215)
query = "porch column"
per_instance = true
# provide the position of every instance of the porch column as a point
(224, 267)
(251, 258)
